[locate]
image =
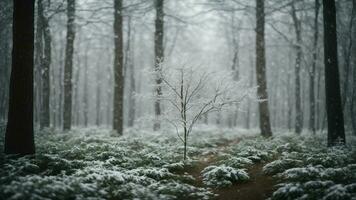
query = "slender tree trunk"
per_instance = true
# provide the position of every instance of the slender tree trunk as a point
(68, 67)
(5, 55)
(118, 69)
(45, 63)
(298, 49)
(265, 125)
(61, 85)
(19, 137)
(131, 69)
(336, 132)
(353, 57)
(248, 121)
(76, 103)
(98, 95)
(159, 56)
(85, 95)
(290, 104)
(38, 64)
(347, 49)
(313, 69)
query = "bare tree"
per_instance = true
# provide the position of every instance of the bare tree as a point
(192, 94)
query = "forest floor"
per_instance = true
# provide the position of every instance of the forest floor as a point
(259, 187)
(94, 163)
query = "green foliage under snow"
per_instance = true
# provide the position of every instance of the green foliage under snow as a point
(93, 164)
(223, 176)
(310, 170)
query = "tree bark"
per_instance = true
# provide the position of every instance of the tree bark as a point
(5, 55)
(298, 49)
(68, 66)
(19, 137)
(86, 92)
(98, 95)
(159, 56)
(45, 65)
(265, 125)
(313, 70)
(353, 58)
(335, 119)
(118, 69)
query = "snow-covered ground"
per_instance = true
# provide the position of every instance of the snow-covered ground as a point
(94, 163)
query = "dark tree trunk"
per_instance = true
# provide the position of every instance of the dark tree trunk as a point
(265, 124)
(313, 69)
(336, 132)
(19, 137)
(159, 56)
(298, 60)
(118, 121)
(45, 65)
(68, 66)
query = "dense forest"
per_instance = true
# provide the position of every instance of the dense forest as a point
(166, 99)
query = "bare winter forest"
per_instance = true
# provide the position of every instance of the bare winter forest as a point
(168, 99)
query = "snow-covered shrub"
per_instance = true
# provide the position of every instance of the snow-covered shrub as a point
(334, 157)
(337, 192)
(309, 190)
(340, 175)
(175, 167)
(302, 174)
(314, 190)
(175, 190)
(281, 165)
(223, 176)
(288, 191)
(237, 162)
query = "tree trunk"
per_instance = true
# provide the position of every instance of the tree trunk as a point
(265, 125)
(86, 92)
(45, 72)
(353, 98)
(118, 69)
(159, 56)
(98, 95)
(336, 132)
(298, 49)
(38, 64)
(248, 121)
(5, 55)
(19, 137)
(130, 66)
(68, 66)
(313, 70)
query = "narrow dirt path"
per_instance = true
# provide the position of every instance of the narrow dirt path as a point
(259, 187)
